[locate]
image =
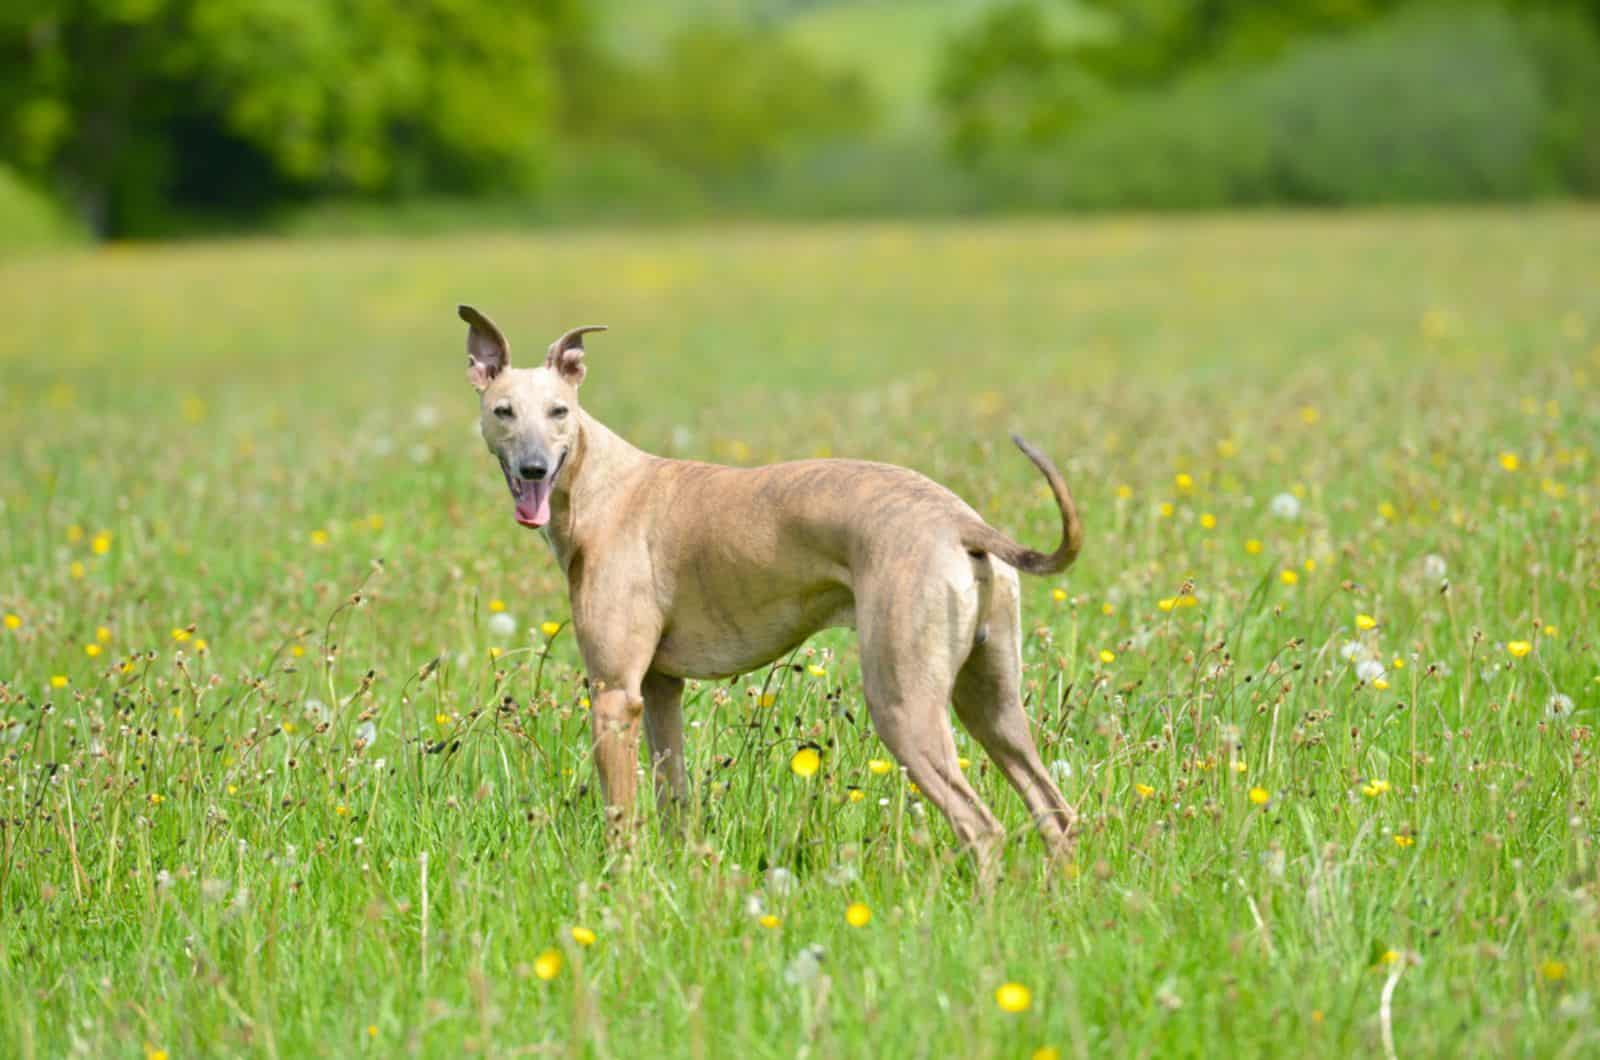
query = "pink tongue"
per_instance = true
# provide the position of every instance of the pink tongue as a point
(533, 507)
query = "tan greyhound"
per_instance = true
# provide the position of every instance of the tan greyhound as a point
(679, 569)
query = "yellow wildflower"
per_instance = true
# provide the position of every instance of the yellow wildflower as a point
(805, 762)
(1510, 461)
(1372, 789)
(1288, 576)
(13, 622)
(58, 681)
(1166, 509)
(1107, 655)
(1519, 648)
(1013, 997)
(1208, 521)
(583, 936)
(102, 634)
(817, 671)
(497, 605)
(1365, 622)
(91, 649)
(547, 965)
(101, 543)
(1144, 790)
(1184, 481)
(549, 628)
(1253, 546)
(879, 766)
(319, 538)
(1553, 971)
(769, 921)
(1402, 840)
(1058, 595)
(1260, 796)
(857, 914)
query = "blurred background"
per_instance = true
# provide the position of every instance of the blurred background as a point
(167, 118)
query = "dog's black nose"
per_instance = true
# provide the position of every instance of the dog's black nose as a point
(533, 472)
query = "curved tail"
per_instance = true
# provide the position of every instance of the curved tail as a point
(981, 537)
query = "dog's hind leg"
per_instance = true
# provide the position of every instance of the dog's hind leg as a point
(907, 669)
(988, 699)
(663, 731)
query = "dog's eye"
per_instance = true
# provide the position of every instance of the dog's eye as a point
(558, 412)
(505, 412)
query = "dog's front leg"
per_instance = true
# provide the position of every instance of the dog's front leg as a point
(614, 721)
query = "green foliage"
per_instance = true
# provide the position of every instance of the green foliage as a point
(1432, 106)
(1009, 84)
(137, 107)
(718, 102)
(1155, 41)
(29, 220)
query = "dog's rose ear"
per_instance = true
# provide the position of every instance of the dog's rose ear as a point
(487, 350)
(566, 353)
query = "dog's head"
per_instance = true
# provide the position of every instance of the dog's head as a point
(528, 416)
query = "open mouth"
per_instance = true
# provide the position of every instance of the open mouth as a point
(532, 499)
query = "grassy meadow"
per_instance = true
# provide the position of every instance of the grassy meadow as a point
(293, 738)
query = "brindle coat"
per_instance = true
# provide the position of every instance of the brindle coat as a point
(680, 569)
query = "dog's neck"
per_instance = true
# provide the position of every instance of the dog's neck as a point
(599, 464)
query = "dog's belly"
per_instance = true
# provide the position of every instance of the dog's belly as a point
(738, 641)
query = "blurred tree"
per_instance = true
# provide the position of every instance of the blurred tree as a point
(1011, 82)
(719, 101)
(1016, 81)
(137, 109)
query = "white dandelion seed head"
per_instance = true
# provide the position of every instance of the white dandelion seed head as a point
(367, 733)
(1061, 770)
(780, 881)
(755, 906)
(1434, 567)
(843, 874)
(1285, 506)
(1350, 651)
(1370, 670)
(501, 624)
(806, 966)
(1558, 706)
(317, 711)
(1489, 673)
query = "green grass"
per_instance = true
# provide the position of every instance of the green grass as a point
(219, 444)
